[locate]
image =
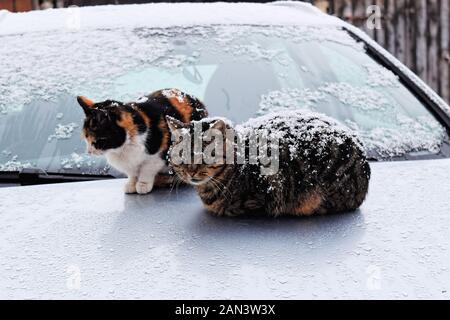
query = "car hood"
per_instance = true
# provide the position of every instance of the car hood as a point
(89, 240)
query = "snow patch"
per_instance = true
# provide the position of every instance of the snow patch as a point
(77, 161)
(363, 98)
(253, 51)
(403, 135)
(433, 96)
(37, 68)
(14, 165)
(63, 132)
(173, 93)
(379, 76)
(288, 99)
(406, 137)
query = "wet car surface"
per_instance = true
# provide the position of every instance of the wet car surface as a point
(89, 240)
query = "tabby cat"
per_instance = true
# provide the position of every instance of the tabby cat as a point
(322, 167)
(134, 136)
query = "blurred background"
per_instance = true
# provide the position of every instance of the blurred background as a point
(415, 31)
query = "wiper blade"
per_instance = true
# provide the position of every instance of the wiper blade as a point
(36, 176)
(9, 177)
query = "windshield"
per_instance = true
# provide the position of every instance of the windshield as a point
(238, 71)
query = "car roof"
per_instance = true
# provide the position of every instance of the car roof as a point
(167, 15)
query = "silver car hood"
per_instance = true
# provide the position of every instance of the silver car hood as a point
(89, 240)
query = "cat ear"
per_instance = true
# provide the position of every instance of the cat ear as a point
(174, 124)
(85, 103)
(219, 125)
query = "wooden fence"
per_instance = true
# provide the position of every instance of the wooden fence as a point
(18, 5)
(415, 31)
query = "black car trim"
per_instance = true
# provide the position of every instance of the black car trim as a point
(34, 176)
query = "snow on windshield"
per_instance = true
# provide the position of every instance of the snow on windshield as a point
(404, 135)
(63, 132)
(407, 136)
(379, 76)
(433, 96)
(78, 161)
(14, 164)
(43, 66)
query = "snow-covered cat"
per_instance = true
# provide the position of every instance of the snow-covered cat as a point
(322, 167)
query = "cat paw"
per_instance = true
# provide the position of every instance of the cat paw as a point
(130, 187)
(144, 187)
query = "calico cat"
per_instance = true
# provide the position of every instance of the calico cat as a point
(322, 167)
(134, 136)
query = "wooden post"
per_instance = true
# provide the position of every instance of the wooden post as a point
(331, 7)
(348, 10)
(380, 34)
(410, 37)
(400, 30)
(7, 5)
(36, 5)
(433, 45)
(339, 8)
(421, 45)
(444, 55)
(370, 32)
(390, 26)
(23, 5)
(360, 15)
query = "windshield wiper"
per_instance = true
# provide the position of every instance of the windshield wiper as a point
(36, 176)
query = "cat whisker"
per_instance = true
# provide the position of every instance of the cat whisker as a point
(175, 183)
(179, 181)
(221, 187)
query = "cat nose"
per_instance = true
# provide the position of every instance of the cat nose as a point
(196, 173)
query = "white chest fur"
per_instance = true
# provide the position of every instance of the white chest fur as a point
(132, 159)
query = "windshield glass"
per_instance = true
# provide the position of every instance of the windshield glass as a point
(238, 71)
